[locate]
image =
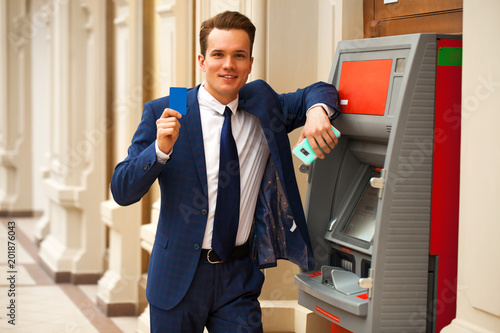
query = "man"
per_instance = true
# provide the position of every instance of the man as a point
(195, 278)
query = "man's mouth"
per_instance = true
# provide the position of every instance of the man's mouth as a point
(229, 76)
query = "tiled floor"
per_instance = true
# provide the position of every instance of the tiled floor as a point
(41, 305)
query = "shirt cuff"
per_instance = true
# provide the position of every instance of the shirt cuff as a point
(161, 157)
(330, 111)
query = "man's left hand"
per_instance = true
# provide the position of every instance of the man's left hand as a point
(318, 131)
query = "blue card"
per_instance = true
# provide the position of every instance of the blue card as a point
(178, 99)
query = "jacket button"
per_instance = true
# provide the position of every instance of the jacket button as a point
(204, 212)
(196, 246)
(145, 167)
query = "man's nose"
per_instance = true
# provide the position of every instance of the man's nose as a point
(228, 62)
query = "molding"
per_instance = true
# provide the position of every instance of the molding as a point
(68, 277)
(148, 233)
(21, 213)
(19, 25)
(462, 326)
(116, 309)
(57, 277)
(165, 8)
(217, 6)
(84, 5)
(85, 278)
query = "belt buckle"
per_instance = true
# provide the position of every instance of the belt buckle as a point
(210, 261)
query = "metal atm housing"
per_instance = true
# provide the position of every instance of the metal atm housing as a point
(384, 236)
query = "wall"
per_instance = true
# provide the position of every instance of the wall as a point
(478, 307)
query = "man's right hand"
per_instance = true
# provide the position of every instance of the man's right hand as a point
(167, 130)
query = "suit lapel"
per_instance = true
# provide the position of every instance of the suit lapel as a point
(194, 132)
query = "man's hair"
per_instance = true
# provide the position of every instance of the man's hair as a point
(226, 21)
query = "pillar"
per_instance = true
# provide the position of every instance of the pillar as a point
(75, 185)
(174, 63)
(15, 120)
(118, 289)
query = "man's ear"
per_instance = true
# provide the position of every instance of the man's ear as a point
(201, 62)
(251, 64)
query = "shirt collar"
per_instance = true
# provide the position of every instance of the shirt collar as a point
(210, 101)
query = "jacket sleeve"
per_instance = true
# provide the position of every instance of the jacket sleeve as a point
(133, 177)
(295, 105)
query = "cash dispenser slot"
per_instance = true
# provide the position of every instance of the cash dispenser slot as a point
(337, 287)
(338, 284)
(345, 260)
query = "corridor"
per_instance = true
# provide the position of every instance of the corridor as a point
(40, 304)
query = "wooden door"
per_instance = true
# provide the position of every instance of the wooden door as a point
(412, 16)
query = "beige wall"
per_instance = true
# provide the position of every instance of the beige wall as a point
(478, 308)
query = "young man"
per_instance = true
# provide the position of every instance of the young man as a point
(229, 199)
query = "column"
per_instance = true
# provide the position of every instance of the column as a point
(337, 20)
(15, 119)
(42, 12)
(256, 10)
(73, 251)
(118, 289)
(174, 60)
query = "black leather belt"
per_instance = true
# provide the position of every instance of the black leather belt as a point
(239, 251)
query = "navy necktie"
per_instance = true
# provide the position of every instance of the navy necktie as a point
(227, 210)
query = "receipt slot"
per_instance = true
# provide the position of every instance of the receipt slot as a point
(382, 208)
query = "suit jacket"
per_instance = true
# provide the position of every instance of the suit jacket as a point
(280, 230)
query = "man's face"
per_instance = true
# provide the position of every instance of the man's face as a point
(227, 63)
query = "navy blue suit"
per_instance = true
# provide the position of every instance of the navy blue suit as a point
(280, 230)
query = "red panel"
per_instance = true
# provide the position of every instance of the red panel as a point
(338, 329)
(363, 86)
(314, 274)
(446, 185)
(450, 43)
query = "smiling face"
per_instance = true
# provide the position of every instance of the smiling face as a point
(226, 63)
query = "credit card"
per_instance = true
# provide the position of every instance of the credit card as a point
(178, 99)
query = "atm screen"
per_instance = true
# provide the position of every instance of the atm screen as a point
(364, 86)
(361, 225)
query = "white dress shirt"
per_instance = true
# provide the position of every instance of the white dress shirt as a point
(253, 152)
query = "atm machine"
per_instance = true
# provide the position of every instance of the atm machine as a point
(382, 208)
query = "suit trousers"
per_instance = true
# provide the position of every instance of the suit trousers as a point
(222, 297)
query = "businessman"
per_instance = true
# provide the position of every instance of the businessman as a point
(230, 204)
